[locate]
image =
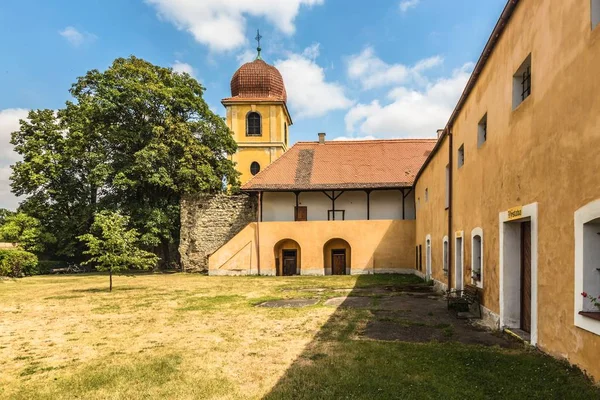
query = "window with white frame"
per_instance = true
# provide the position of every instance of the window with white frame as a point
(477, 256)
(587, 267)
(595, 13)
(445, 256)
(461, 156)
(522, 83)
(482, 131)
(591, 265)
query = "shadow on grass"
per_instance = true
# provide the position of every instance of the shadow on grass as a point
(341, 362)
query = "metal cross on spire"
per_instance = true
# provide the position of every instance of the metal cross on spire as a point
(257, 38)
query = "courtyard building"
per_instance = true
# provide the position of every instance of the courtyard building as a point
(506, 198)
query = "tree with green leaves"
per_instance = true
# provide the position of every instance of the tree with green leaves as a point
(135, 138)
(115, 248)
(5, 213)
(26, 231)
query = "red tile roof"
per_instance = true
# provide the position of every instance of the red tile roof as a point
(371, 164)
(257, 80)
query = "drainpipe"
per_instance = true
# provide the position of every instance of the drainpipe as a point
(450, 236)
(258, 220)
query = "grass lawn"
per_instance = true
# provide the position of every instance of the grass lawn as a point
(188, 336)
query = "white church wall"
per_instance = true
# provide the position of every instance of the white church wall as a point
(278, 206)
(354, 204)
(409, 206)
(386, 204)
(317, 205)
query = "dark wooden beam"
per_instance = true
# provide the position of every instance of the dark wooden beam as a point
(368, 204)
(260, 211)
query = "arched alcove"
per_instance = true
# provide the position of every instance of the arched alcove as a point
(287, 257)
(337, 257)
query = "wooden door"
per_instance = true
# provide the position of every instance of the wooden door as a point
(301, 214)
(338, 262)
(526, 276)
(290, 262)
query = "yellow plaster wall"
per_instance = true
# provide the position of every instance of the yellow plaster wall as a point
(238, 256)
(263, 149)
(545, 151)
(432, 216)
(376, 246)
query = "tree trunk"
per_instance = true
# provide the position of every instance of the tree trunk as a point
(110, 275)
(166, 254)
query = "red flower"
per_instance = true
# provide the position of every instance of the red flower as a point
(584, 294)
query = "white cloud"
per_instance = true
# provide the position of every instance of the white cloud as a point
(406, 5)
(184, 68)
(76, 38)
(9, 122)
(410, 112)
(309, 94)
(221, 24)
(312, 51)
(372, 72)
(246, 56)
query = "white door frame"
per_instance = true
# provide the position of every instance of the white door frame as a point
(428, 257)
(509, 241)
(459, 255)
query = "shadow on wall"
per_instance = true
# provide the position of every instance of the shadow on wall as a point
(386, 258)
(389, 339)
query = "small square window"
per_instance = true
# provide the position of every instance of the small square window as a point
(595, 13)
(482, 129)
(461, 156)
(522, 83)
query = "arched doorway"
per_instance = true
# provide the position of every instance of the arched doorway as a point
(337, 257)
(287, 257)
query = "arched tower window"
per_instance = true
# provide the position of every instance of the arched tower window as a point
(285, 133)
(253, 124)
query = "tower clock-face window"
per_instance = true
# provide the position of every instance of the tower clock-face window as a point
(254, 168)
(253, 124)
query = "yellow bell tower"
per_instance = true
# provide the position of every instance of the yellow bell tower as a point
(258, 116)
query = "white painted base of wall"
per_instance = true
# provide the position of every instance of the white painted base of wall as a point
(315, 272)
(439, 286)
(321, 272)
(232, 273)
(489, 319)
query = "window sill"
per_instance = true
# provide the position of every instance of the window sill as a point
(592, 315)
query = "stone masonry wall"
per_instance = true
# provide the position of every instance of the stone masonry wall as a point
(210, 221)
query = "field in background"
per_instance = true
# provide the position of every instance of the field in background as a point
(189, 336)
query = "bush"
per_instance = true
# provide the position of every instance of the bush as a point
(17, 263)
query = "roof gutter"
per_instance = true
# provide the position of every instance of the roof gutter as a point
(507, 13)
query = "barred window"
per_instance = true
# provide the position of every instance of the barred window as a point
(253, 124)
(522, 82)
(526, 83)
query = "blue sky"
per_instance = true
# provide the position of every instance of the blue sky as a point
(353, 69)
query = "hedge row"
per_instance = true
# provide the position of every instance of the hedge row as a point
(17, 263)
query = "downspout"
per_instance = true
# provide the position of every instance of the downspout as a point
(450, 237)
(258, 221)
